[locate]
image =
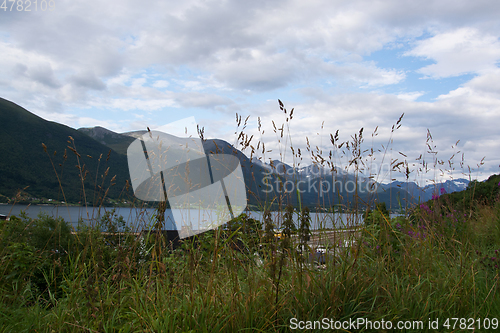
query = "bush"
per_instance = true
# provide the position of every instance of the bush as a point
(376, 216)
(34, 252)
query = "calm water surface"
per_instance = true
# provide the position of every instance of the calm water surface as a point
(140, 218)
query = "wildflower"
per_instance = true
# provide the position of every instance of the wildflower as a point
(426, 208)
(443, 191)
(435, 196)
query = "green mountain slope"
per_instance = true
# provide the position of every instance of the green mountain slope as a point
(24, 163)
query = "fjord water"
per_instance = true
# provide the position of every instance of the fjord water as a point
(142, 218)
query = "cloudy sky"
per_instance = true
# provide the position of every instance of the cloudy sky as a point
(342, 65)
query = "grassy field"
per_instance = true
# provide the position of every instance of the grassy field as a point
(426, 267)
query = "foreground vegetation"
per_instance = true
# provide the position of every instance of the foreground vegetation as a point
(439, 262)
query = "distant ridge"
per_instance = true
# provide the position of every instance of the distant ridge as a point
(117, 142)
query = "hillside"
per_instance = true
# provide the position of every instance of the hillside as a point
(117, 142)
(25, 164)
(476, 194)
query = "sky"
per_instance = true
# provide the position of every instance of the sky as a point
(341, 65)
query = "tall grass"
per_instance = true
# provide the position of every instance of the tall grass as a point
(438, 261)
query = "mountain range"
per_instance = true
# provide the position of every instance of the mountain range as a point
(51, 160)
(409, 192)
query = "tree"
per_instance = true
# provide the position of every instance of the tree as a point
(304, 228)
(268, 229)
(288, 226)
(248, 232)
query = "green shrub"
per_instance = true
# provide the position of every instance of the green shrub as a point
(377, 216)
(34, 253)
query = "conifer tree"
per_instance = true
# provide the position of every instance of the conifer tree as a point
(304, 228)
(288, 226)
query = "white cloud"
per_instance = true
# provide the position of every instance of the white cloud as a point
(257, 71)
(120, 79)
(191, 85)
(88, 80)
(137, 83)
(92, 122)
(127, 104)
(461, 51)
(411, 96)
(161, 84)
(202, 100)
